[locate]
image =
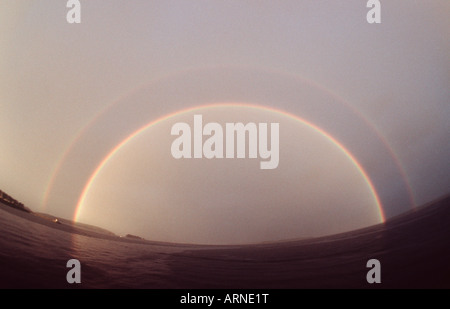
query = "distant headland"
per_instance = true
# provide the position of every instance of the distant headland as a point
(8, 200)
(13, 206)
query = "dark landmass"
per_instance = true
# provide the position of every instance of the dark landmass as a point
(11, 202)
(133, 237)
(11, 205)
(80, 228)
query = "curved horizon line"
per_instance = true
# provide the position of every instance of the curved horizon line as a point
(349, 155)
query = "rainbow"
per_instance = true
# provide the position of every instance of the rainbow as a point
(57, 169)
(110, 155)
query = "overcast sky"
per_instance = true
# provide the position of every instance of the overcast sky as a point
(70, 93)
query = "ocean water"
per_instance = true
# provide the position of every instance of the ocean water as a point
(413, 249)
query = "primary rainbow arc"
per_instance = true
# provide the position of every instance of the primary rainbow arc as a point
(111, 154)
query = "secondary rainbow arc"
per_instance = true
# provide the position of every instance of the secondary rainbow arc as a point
(64, 157)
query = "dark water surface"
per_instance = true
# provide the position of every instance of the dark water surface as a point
(414, 251)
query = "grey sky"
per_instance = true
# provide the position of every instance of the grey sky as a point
(138, 60)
